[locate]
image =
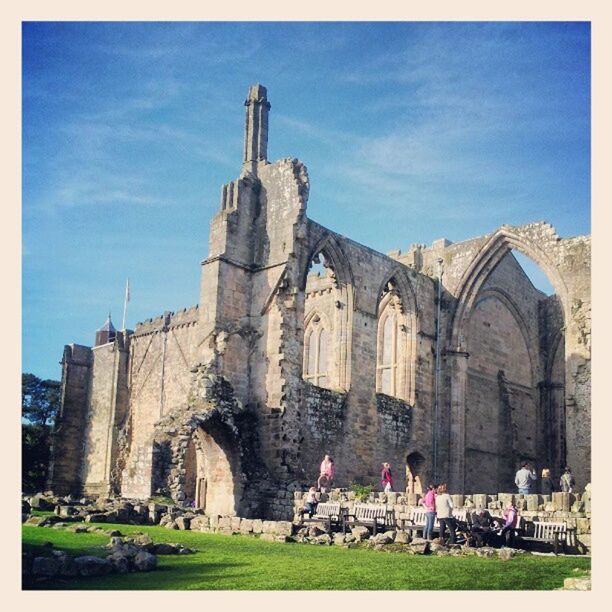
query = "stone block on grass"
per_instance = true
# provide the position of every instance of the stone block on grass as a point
(145, 561)
(93, 566)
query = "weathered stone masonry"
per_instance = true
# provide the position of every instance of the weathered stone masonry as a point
(306, 342)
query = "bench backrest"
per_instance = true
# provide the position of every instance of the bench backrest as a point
(416, 515)
(370, 511)
(460, 514)
(546, 531)
(328, 509)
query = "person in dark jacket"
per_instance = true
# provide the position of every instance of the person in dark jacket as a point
(481, 529)
(547, 486)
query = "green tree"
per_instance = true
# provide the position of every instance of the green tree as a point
(40, 399)
(40, 402)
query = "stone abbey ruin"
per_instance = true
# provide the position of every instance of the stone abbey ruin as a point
(444, 360)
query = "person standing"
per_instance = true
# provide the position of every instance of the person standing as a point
(524, 478)
(444, 510)
(327, 472)
(429, 502)
(386, 479)
(546, 484)
(567, 481)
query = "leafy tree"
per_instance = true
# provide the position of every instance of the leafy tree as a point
(40, 401)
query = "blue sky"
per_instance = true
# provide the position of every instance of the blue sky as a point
(410, 132)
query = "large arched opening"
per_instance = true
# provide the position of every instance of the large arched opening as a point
(506, 366)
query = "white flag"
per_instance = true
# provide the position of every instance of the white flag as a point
(125, 303)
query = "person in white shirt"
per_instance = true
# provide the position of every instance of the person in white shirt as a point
(444, 511)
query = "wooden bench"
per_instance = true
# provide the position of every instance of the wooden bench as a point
(460, 514)
(416, 520)
(374, 516)
(551, 533)
(329, 513)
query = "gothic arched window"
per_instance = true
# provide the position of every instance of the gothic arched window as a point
(387, 362)
(316, 349)
(394, 345)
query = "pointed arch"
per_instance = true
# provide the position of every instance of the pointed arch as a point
(318, 358)
(396, 337)
(538, 241)
(340, 313)
(329, 246)
(476, 274)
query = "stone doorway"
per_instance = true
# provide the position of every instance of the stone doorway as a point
(209, 481)
(414, 473)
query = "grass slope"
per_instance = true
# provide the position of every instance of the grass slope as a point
(245, 563)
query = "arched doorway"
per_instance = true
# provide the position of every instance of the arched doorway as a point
(209, 481)
(415, 463)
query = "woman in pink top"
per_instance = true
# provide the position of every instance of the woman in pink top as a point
(328, 471)
(429, 501)
(510, 515)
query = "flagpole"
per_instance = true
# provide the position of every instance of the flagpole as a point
(125, 302)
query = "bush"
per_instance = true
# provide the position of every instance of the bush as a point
(362, 492)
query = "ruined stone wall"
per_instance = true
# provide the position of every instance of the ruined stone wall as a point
(467, 266)
(376, 428)
(106, 411)
(68, 438)
(160, 364)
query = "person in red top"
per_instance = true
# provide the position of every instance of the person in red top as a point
(429, 501)
(386, 479)
(328, 471)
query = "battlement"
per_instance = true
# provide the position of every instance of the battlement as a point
(185, 316)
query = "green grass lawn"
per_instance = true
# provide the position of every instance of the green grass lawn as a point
(225, 562)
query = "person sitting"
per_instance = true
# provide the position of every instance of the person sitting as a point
(312, 501)
(510, 515)
(481, 530)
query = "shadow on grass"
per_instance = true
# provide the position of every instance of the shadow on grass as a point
(204, 576)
